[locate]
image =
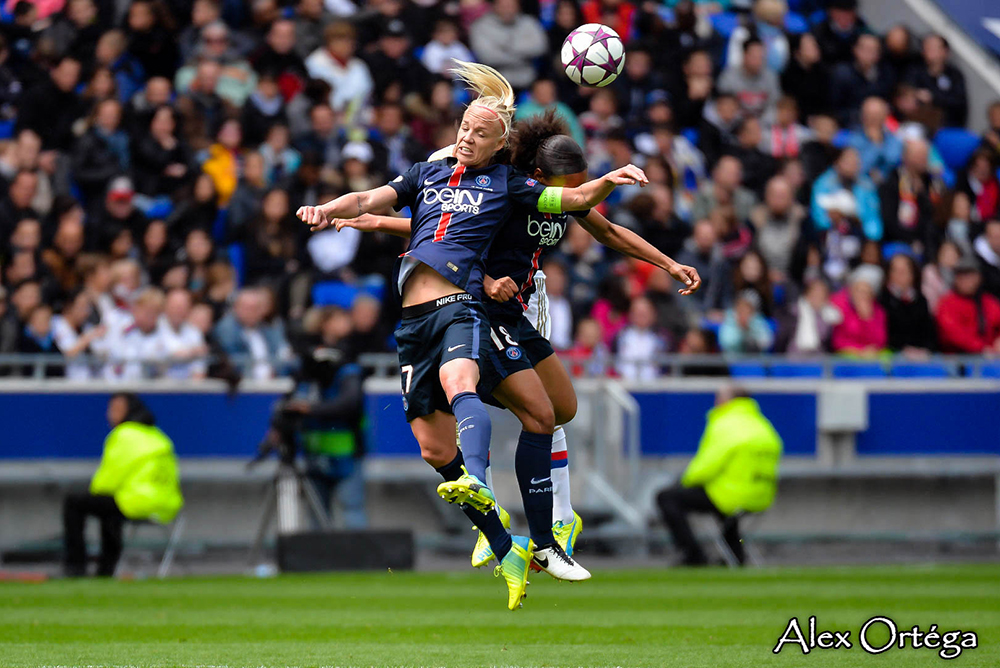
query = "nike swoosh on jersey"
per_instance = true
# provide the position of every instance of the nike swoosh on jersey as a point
(428, 182)
(540, 480)
(454, 348)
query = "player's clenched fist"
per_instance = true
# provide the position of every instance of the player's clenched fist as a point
(500, 289)
(313, 216)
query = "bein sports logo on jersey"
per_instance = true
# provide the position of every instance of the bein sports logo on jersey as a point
(548, 232)
(483, 181)
(455, 200)
(514, 353)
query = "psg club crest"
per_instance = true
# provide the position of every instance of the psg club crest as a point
(514, 353)
(483, 181)
(531, 182)
(406, 404)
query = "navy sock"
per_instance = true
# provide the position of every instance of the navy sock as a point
(490, 523)
(533, 466)
(474, 430)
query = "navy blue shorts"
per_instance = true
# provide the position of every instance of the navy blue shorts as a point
(515, 346)
(432, 334)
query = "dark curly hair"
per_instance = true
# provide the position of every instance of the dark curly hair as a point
(543, 142)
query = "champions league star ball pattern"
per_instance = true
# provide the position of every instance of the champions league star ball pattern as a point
(593, 55)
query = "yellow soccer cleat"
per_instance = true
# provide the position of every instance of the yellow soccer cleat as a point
(468, 489)
(514, 568)
(482, 553)
(566, 534)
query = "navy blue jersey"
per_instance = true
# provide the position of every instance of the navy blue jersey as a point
(527, 238)
(455, 214)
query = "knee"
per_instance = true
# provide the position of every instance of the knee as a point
(457, 380)
(438, 454)
(539, 418)
(565, 411)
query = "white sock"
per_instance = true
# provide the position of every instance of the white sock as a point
(562, 506)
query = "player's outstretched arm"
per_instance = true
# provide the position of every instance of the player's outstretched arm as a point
(398, 227)
(592, 193)
(629, 243)
(350, 205)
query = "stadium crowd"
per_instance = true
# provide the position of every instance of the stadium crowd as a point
(155, 152)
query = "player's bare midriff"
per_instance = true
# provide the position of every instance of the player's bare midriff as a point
(425, 285)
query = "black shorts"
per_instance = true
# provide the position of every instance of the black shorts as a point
(515, 345)
(431, 334)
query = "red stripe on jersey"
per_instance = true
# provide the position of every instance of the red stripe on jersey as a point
(442, 228)
(559, 456)
(531, 277)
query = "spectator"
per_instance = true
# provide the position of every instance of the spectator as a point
(744, 329)
(162, 160)
(235, 80)
(75, 31)
(768, 25)
(508, 39)
(336, 64)
(543, 97)
(589, 354)
(103, 152)
(445, 48)
(139, 350)
(638, 344)
(806, 326)
(74, 333)
(899, 51)
(560, 310)
(987, 247)
(397, 74)
(618, 15)
(274, 249)
(703, 252)
(735, 470)
(840, 30)
(277, 55)
(683, 162)
(718, 128)
(248, 196)
(939, 83)
(846, 177)
(137, 479)
(880, 151)
(691, 92)
(151, 37)
(639, 85)
(280, 159)
(62, 258)
(968, 318)
(758, 166)
(394, 149)
(651, 213)
(784, 139)
(911, 327)
(119, 210)
(36, 339)
(991, 138)
(819, 154)
(311, 21)
(806, 79)
(128, 73)
(140, 108)
(755, 86)
(201, 109)
(866, 76)
(980, 184)
(224, 159)
(264, 109)
(243, 332)
(17, 205)
(908, 197)
(25, 297)
(960, 229)
(203, 13)
(863, 330)
(183, 343)
(51, 108)
(724, 190)
(779, 221)
(157, 252)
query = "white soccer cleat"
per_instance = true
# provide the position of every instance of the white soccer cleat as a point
(554, 561)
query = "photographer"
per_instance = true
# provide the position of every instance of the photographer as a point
(324, 414)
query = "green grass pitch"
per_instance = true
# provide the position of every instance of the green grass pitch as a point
(651, 618)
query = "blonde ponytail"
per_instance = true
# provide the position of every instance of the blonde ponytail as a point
(495, 93)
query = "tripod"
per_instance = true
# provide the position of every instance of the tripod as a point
(283, 498)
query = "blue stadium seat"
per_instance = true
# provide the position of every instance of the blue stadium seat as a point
(956, 145)
(793, 370)
(334, 293)
(236, 258)
(859, 370)
(747, 370)
(920, 370)
(796, 24)
(725, 23)
(990, 370)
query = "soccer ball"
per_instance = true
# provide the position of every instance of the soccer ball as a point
(593, 55)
